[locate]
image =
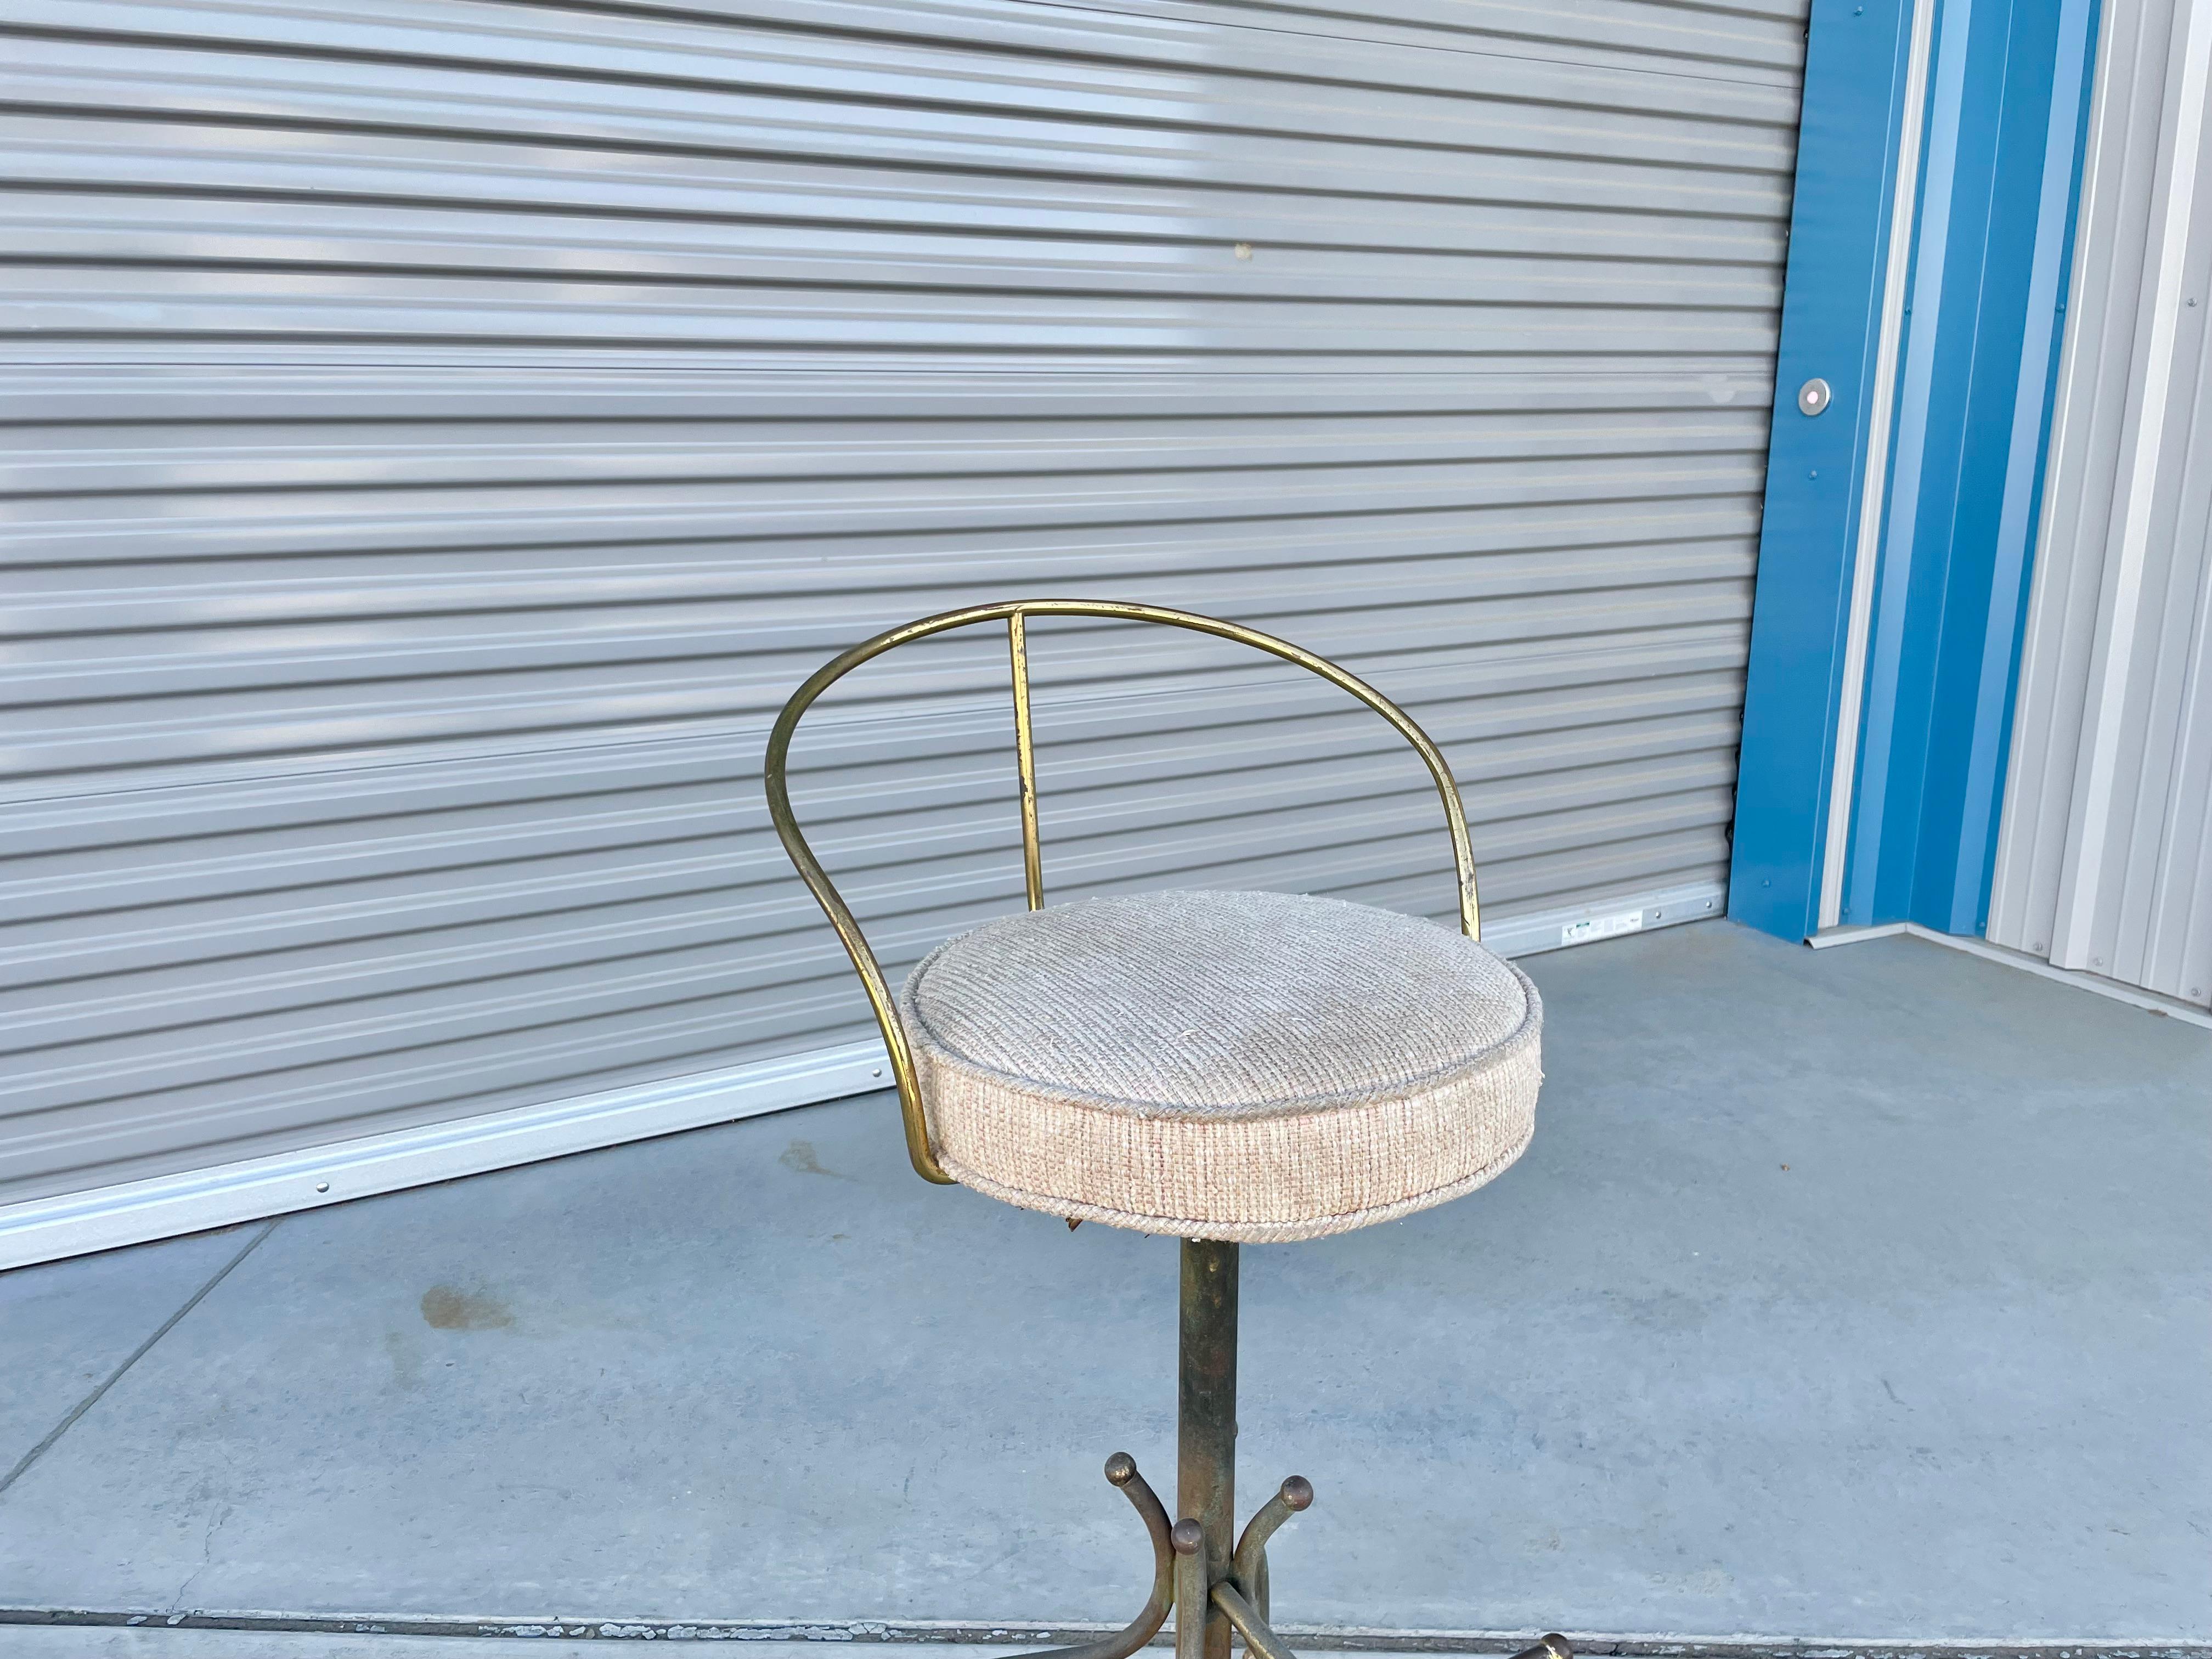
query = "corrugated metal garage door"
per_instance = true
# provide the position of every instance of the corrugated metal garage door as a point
(446, 431)
(2105, 855)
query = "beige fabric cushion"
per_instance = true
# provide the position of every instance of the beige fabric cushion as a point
(1248, 1066)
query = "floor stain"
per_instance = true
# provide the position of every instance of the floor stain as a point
(446, 1309)
(406, 1363)
(800, 1156)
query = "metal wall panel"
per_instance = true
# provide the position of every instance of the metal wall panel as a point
(443, 433)
(2104, 861)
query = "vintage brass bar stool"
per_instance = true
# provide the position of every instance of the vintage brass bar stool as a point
(1225, 1067)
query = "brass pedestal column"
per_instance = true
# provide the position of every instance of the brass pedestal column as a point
(1205, 1435)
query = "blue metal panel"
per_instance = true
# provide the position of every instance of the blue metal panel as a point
(1855, 74)
(1895, 648)
(2008, 88)
(1972, 424)
(2065, 145)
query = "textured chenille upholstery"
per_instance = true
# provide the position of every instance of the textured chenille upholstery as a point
(1236, 1066)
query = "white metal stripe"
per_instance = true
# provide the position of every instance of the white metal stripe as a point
(1880, 413)
(2120, 619)
(1545, 930)
(132, 1212)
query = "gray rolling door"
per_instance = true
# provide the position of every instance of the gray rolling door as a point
(443, 431)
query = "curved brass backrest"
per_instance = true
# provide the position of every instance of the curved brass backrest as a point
(1014, 613)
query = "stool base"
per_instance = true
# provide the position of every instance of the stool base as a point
(1212, 1588)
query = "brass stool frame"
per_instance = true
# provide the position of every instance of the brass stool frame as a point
(1213, 1581)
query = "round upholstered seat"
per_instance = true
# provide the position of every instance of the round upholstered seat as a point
(1236, 1066)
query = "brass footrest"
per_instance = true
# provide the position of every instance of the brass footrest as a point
(1197, 1586)
(1122, 1470)
(1259, 1637)
(1182, 1580)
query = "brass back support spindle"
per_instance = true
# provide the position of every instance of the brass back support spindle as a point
(1015, 613)
(1025, 761)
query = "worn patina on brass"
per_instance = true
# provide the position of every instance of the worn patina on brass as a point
(1206, 1414)
(1214, 1581)
(1249, 1568)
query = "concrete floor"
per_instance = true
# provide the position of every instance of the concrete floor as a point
(1856, 1294)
